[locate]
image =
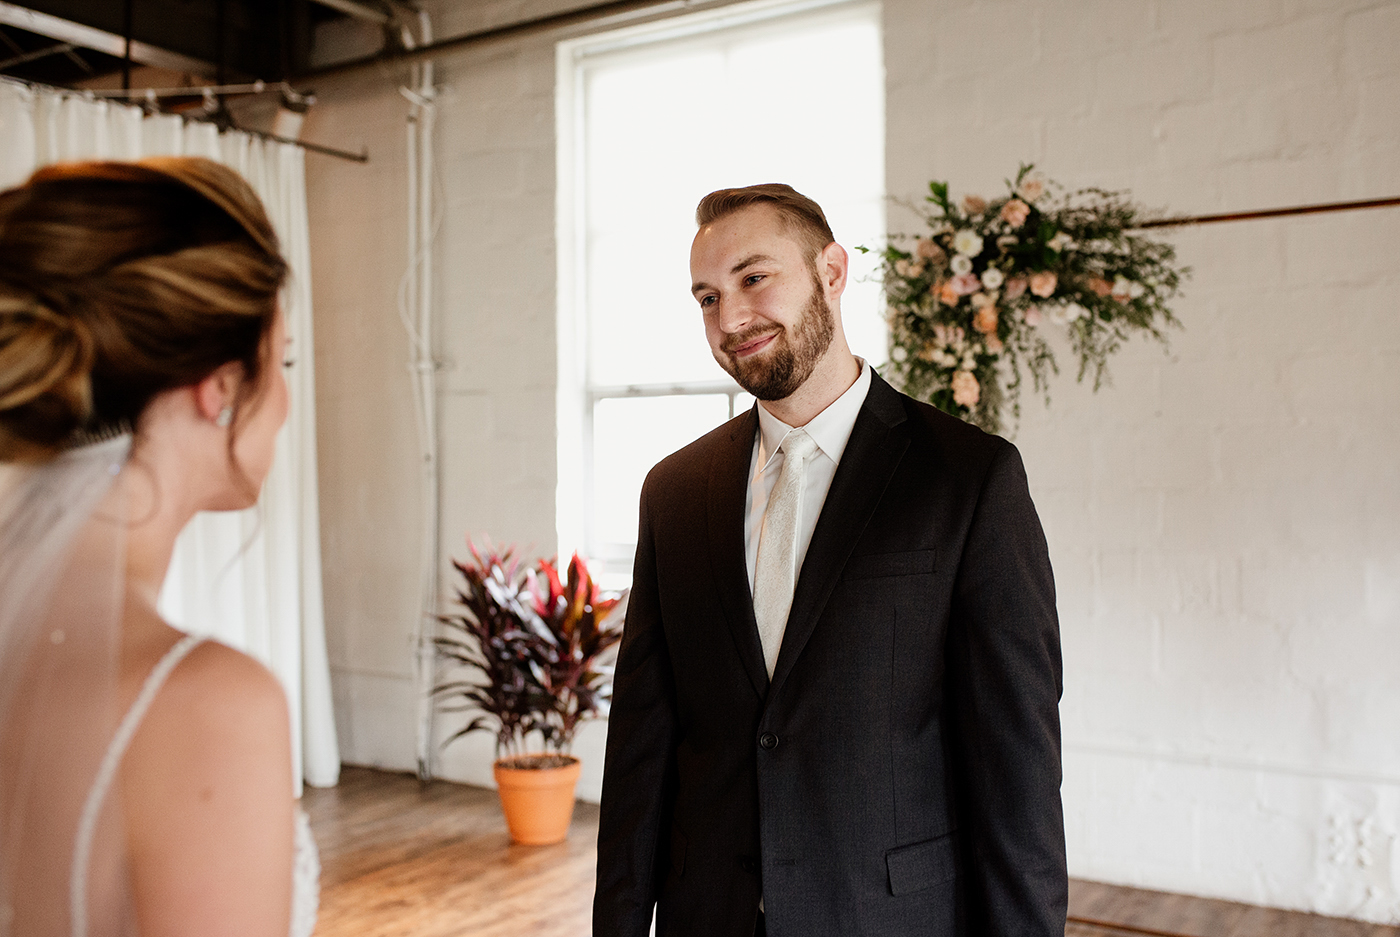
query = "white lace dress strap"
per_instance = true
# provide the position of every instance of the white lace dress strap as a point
(306, 879)
(107, 771)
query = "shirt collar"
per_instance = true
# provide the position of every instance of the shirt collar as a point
(831, 429)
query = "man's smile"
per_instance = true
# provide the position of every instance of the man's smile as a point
(753, 345)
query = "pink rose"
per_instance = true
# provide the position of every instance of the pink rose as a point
(1014, 287)
(1032, 315)
(1015, 212)
(947, 295)
(966, 391)
(966, 283)
(927, 250)
(1043, 283)
(909, 268)
(994, 345)
(1031, 188)
(973, 204)
(1100, 286)
(986, 320)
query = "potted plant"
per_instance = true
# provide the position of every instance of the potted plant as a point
(535, 640)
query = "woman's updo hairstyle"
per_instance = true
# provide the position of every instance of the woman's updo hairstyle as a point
(122, 280)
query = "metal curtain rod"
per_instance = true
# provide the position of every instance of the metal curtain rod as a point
(512, 31)
(1270, 213)
(360, 157)
(188, 91)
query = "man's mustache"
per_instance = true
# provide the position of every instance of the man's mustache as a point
(739, 339)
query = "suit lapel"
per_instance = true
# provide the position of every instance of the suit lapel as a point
(725, 512)
(877, 443)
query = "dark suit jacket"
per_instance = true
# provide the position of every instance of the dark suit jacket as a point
(900, 775)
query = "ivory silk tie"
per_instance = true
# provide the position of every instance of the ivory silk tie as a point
(775, 572)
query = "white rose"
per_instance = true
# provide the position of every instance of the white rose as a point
(1060, 242)
(961, 265)
(1032, 187)
(1059, 315)
(992, 278)
(1075, 311)
(898, 353)
(967, 242)
(1135, 289)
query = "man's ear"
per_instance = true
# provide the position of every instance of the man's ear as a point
(833, 265)
(218, 390)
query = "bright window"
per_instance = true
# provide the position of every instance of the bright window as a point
(650, 120)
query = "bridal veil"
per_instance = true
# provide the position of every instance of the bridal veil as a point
(63, 526)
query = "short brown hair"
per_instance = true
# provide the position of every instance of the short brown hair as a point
(122, 280)
(802, 217)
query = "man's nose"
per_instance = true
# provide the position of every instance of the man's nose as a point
(735, 313)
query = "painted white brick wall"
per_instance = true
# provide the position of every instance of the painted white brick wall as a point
(1224, 521)
(370, 486)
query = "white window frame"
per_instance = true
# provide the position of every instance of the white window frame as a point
(576, 397)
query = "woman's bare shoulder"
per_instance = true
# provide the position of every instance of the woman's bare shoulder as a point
(217, 678)
(216, 703)
(207, 797)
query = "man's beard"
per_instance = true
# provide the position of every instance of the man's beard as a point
(793, 355)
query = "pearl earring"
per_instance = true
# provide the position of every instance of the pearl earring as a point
(225, 417)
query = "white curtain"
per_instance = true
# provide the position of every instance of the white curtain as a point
(251, 579)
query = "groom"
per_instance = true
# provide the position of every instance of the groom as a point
(835, 708)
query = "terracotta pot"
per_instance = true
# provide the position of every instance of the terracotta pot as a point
(538, 802)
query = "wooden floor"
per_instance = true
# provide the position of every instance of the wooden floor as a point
(400, 859)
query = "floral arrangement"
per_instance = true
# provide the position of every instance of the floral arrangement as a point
(536, 640)
(969, 303)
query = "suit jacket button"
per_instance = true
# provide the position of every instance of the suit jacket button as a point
(768, 741)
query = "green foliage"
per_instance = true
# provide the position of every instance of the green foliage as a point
(968, 300)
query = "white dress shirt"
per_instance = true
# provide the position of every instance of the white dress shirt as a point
(831, 429)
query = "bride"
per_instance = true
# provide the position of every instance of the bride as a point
(145, 776)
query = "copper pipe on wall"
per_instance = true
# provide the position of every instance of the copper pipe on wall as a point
(1270, 213)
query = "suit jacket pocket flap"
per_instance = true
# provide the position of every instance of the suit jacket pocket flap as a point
(921, 865)
(906, 563)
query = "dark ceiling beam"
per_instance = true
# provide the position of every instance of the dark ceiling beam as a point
(524, 28)
(99, 40)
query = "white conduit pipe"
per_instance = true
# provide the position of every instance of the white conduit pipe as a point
(416, 310)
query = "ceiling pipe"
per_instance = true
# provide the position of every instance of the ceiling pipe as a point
(99, 40)
(513, 31)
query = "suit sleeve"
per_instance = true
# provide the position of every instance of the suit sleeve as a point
(638, 770)
(1005, 681)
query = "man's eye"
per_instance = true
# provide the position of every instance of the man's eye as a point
(752, 279)
(707, 301)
